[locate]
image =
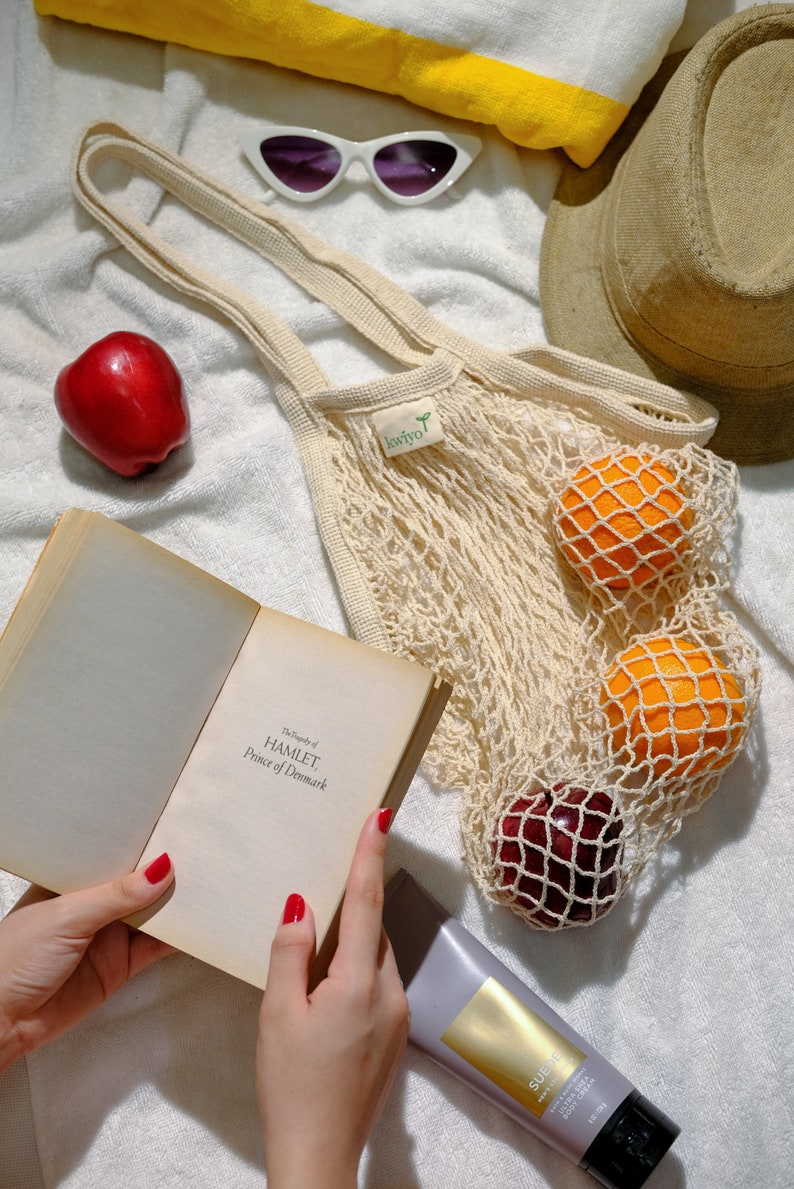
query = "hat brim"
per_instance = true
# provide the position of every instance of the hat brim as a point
(576, 310)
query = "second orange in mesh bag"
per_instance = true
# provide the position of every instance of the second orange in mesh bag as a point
(674, 706)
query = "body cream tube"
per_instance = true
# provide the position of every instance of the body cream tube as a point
(473, 1016)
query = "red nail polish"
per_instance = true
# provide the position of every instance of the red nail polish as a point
(158, 868)
(384, 820)
(293, 909)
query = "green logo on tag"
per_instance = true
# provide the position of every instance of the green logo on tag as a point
(410, 436)
(393, 426)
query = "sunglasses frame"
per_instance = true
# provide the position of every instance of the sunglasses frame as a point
(466, 147)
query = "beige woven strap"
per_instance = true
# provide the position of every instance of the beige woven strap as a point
(383, 312)
(636, 409)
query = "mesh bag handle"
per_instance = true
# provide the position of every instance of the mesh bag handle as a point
(381, 310)
(385, 314)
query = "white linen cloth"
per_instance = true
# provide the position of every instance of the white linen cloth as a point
(686, 985)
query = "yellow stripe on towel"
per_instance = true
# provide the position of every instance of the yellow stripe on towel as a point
(528, 108)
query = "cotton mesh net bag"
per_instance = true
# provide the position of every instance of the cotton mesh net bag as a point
(664, 691)
(547, 533)
(595, 705)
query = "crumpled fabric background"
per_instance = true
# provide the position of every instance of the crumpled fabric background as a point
(685, 987)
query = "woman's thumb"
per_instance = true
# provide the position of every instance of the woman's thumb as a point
(91, 909)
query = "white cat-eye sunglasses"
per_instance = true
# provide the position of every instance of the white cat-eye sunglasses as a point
(409, 168)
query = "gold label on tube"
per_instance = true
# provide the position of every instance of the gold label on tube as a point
(513, 1046)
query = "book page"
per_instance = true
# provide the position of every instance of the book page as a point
(108, 668)
(301, 744)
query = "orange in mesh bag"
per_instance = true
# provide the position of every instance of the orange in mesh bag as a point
(673, 706)
(439, 493)
(623, 521)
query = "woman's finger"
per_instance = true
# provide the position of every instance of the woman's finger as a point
(361, 921)
(291, 954)
(86, 912)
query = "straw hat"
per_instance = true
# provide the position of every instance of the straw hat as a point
(673, 255)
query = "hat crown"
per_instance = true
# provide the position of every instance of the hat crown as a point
(672, 256)
(698, 251)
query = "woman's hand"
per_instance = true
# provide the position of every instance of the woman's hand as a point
(63, 956)
(326, 1060)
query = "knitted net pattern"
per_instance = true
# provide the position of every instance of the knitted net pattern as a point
(570, 588)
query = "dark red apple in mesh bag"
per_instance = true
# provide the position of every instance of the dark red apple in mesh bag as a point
(558, 852)
(122, 399)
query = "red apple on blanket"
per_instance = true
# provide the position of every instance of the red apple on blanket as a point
(558, 852)
(122, 399)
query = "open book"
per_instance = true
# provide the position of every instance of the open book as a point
(146, 706)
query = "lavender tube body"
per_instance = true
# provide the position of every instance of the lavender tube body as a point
(475, 1017)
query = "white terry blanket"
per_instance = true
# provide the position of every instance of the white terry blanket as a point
(687, 987)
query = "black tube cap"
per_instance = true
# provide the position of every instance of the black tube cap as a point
(630, 1144)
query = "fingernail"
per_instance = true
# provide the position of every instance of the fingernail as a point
(293, 909)
(158, 868)
(384, 820)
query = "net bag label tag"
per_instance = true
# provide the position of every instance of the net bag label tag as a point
(408, 426)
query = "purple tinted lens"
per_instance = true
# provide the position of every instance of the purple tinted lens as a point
(413, 167)
(303, 163)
